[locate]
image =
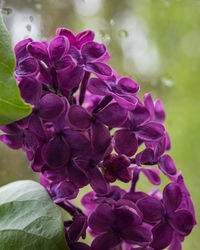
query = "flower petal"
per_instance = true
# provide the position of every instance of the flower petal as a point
(100, 137)
(56, 152)
(63, 190)
(68, 33)
(92, 51)
(27, 67)
(112, 115)
(105, 241)
(98, 87)
(128, 85)
(102, 219)
(182, 221)
(159, 112)
(125, 142)
(172, 196)
(79, 117)
(58, 47)
(99, 68)
(166, 165)
(152, 174)
(12, 141)
(39, 51)
(51, 106)
(151, 131)
(151, 209)
(30, 90)
(162, 235)
(84, 37)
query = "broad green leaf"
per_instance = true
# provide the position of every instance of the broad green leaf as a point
(12, 107)
(29, 219)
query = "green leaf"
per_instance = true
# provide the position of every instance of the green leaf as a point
(12, 107)
(29, 219)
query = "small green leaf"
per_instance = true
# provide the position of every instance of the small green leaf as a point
(12, 107)
(29, 219)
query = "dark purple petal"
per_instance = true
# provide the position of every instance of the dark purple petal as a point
(99, 68)
(39, 51)
(149, 104)
(27, 67)
(63, 190)
(125, 142)
(72, 137)
(51, 106)
(70, 80)
(182, 221)
(145, 157)
(102, 219)
(105, 241)
(79, 117)
(128, 85)
(172, 197)
(150, 131)
(30, 140)
(56, 152)
(37, 162)
(78, 227)
(92, 51)
(30, 90)
(159, 112)
(139, 115)
(66, 64)
(166, 165)
(83, 37)
(58, 47)
(152, 174)
(14, 141)
(126, 102)
(20, 49)
(97, 181)
(80, 246)
(77, 176)
(98, 87)
(68, 33)
(100, 137)
(137, 235)
(127, 217)
(162, 235)
(151, 209)
(112, 115)
(36, 126)
(175, 243)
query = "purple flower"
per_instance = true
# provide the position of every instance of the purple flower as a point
(76, 122)
(116, 225)
(167, 215)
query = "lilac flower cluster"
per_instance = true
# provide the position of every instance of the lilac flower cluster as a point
(88, 126)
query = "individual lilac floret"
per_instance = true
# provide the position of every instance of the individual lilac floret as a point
(116, 225)
(168, 216)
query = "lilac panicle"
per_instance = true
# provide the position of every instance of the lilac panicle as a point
(87, 127)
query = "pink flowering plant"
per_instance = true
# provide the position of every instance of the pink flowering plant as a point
(87, 126)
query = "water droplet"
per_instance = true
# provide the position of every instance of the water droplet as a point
(28, 27)
(167, 81)
(112, 22)
(123, 33)
(38, 6)
(31, 18)
(6, 11)
(105, 37)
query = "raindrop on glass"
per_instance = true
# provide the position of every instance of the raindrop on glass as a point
(105, 37)
(123, 33)
(112, 22)
(167, 81)
(31, 18)
(28, 27)
(6, 11)
(38, 6)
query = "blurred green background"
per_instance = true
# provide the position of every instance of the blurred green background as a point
(156, 42)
